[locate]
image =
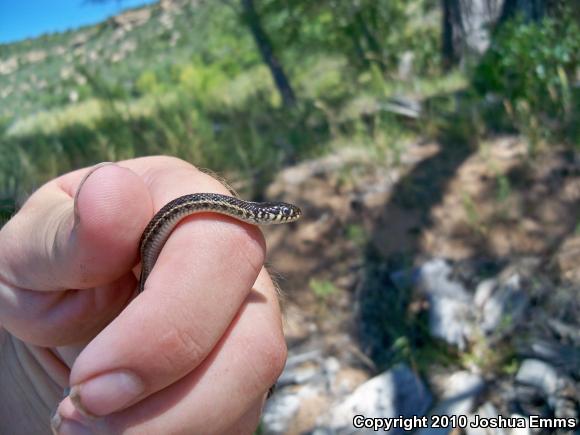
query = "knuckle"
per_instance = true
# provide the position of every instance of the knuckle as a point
(179, 349)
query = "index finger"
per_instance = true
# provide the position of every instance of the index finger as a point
(201, 278)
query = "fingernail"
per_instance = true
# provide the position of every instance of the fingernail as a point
(106, 393)
(60, 426)
(71, 427)
(87, 175)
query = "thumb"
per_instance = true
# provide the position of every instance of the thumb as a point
(79, 231)
(59, 242)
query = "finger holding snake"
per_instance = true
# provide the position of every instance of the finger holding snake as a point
(207, 327)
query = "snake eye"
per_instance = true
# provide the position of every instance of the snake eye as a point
(286, 211)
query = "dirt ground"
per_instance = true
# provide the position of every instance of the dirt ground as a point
(493, 203)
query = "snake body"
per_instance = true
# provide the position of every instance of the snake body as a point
(162, 224)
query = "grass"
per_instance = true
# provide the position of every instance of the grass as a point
(501, 357)
(473, 217)
(324, 290)
(240, 130)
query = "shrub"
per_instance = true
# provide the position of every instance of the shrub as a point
(147, 83)
(530, 66)
(202, 80)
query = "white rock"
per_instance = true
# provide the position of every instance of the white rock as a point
(484, 291)
(450, 305)
(459, 398)
(397, 392)
(281, 409)
(538, 374)
(508, 302)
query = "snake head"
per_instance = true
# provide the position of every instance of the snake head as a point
(278, 213)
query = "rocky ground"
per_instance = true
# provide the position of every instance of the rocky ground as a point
(444, 285)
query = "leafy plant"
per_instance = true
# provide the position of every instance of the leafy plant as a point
(499, 357)
(148, 83)
(530, 65)
(200, 81)
(323, 289)
(356, 234)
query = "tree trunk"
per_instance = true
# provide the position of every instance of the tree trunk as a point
(452, 27)
(466, 25)
(267, 51)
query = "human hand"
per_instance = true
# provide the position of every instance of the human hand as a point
(195, 353)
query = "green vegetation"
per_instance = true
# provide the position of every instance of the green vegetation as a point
(531, 67)
(472, 214)
(103, 93)
(323, 290)
(107, 93)
(357, 235)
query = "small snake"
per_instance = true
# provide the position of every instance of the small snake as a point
(160, 227)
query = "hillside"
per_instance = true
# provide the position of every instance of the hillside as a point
(48, 72)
